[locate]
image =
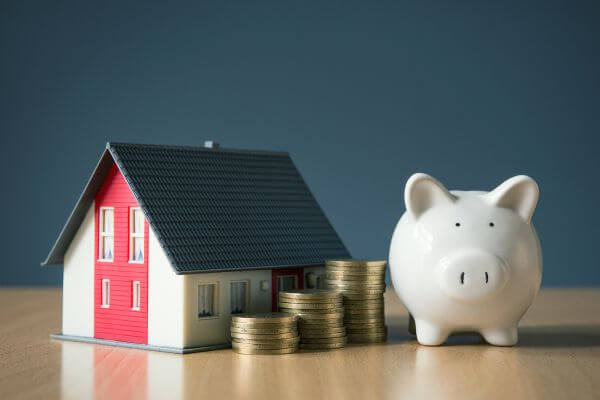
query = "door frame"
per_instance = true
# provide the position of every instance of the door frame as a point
(276, 273)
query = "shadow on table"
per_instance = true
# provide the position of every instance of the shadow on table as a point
(551, 336)
(560, 336)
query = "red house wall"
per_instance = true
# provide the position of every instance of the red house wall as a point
(119, 321)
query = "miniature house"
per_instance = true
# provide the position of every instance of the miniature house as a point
(166, 242)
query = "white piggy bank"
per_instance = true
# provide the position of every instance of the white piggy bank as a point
(464, 261)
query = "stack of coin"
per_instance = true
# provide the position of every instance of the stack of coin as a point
(270, 333)
(320, 317)
(362, 284)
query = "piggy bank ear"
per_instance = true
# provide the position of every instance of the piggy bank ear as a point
(519, 193)
(423, 192)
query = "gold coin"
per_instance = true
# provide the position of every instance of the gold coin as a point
(319, 316)
(308, 294)
(356, 263)
(355, 278)
(243, 350)
(322, 346)
(261, 346)
(340, 339)
(367, 337)
(280, 342)
(372, 325)
(360, 320)
(256, 336)
(378, 329)
(364, 306)
(354, 284)
(321, 323)
(356, 272)
(362, 296)
(310, 306)
(304, 336)
(244, 328)
(264, 318)
(361, 292)
(366, 312)
(325, 330)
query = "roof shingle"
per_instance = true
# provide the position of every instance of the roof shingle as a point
(220, 209)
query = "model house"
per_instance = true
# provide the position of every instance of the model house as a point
(166, 242)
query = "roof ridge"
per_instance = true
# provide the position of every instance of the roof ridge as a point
(109, 145)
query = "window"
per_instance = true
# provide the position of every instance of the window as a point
(239, 297)
(136, 234)
(206, 300)
(286, 282)
(321, 281)
(135, 290)
(105, 293)
(106, 247)
(310, 280)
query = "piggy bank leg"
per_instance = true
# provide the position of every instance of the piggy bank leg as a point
(430, 334)
(501, 336)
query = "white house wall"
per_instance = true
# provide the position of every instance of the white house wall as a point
(215, 330)
(78, 281)
(165, 298)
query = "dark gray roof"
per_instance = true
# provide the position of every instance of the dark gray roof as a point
(217, 209)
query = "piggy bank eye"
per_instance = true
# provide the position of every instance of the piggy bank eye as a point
(491, 224)
(457, 224)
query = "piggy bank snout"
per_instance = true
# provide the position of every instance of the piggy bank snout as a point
(470, 275)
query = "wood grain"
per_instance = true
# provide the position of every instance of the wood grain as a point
(558, 356)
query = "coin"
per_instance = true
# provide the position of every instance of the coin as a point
(320, 323)
(364, 312)
(354, 278)
(264, 318)
(320, 317)
(309, 306)
(379, 329)
(244, 350)
(370, 325)
(321, 346)
(316, 294)
(305, 336)
(356, 293)
(367, 337)
(364, 306)
(278, 336)
(356, 263)
(261, 346)
(362, 296)
(326, 329)
(279, 342)
(357, 321)
(341, 339)
(263, 331)
(356, 272)
(354, 284)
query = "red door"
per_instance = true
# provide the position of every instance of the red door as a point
(284, 279)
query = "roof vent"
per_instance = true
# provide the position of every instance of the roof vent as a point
(210, 144)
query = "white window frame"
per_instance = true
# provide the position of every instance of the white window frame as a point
(287, 276)
(102, 234)
(215, 300)
(136, 295)
(105, 293)
(133, 235)
(247, 296)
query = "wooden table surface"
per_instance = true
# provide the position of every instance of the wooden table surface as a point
(558, 356)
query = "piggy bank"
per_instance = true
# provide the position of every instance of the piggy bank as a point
(467, 261)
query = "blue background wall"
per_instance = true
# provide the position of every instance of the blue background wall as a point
(361, 94)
